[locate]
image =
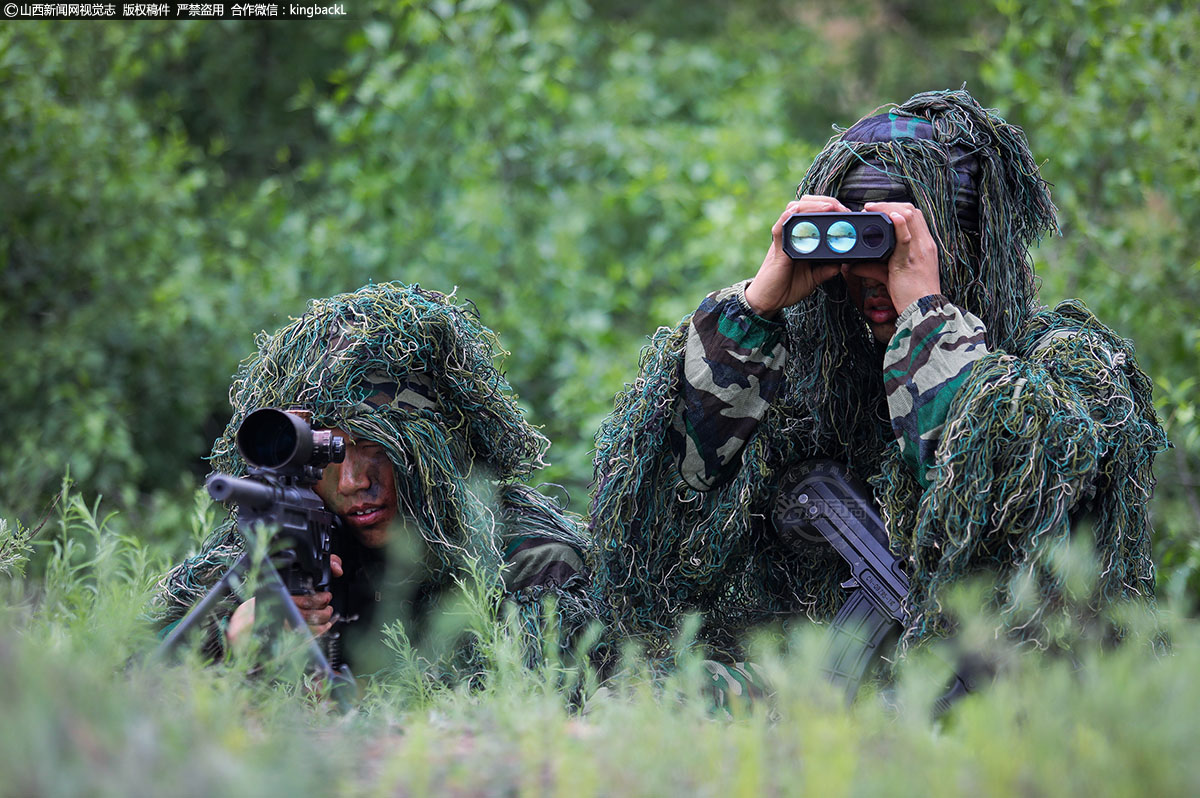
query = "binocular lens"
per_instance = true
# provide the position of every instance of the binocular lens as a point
(805, 237)
(842, 237)
(872, 235)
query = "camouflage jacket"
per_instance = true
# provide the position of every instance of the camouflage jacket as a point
(733, 367)
(981, 457)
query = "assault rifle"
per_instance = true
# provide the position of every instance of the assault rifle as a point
(824, 497)
(286, 458)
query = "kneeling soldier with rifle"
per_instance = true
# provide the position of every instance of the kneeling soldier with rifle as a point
(423, 486)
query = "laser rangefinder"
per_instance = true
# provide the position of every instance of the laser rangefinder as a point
(865, 235)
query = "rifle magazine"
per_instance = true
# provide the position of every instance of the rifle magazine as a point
(858, 637)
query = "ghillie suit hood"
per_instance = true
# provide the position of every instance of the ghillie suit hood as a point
(1056, 422)
(411, 370)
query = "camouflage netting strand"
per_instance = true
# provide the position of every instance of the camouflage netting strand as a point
(412, 371)
(1057, 423)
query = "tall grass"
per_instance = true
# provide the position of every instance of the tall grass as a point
(87, 712)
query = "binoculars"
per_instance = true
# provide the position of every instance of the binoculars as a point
(840, 237)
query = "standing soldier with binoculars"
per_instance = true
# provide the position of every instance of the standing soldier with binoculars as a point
(986, 424)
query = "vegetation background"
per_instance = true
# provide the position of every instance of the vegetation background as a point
(584, 172)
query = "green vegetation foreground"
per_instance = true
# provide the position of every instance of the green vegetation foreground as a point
(86, 716)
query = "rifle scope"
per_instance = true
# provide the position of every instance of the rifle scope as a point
(283, 441)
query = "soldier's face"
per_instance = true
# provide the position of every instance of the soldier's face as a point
(867, 285)
(361, 490)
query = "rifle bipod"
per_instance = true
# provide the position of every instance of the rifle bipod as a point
(343, 687)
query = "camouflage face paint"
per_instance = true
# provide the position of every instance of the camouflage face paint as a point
(362, 491)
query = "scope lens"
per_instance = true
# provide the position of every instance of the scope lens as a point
(267, 438)
(805, 237)
(872, 235)
(842, 236)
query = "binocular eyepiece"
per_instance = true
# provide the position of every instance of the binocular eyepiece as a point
(840, 237)
(284, 441)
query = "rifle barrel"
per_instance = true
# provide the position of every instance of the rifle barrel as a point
(244, 491)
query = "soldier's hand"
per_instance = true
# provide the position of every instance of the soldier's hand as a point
(240, 624)
(912, 271)
(781, 281)
(317, 608)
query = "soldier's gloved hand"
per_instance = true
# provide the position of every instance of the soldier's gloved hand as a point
(316, 610)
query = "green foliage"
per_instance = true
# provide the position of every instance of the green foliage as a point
(95, 209)
(130, 286)
(1105, 93)
(15, 548)
(241, 93)
(89, 713)
(87, 716)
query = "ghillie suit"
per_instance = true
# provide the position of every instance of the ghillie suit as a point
(986, 427)
(413, 371)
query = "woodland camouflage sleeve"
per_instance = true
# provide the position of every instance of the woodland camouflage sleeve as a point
(1058, 428)
(927, 361)
(732, 368)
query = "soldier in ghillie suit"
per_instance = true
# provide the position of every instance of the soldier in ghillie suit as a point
(986, 424)
(428, 493)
